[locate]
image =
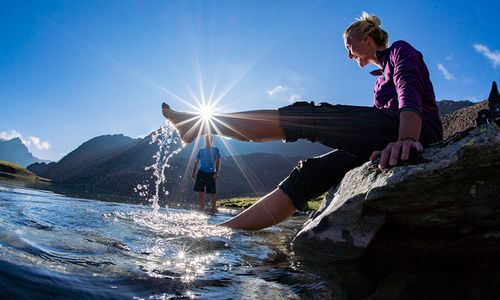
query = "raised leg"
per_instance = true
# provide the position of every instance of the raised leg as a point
(255, 126)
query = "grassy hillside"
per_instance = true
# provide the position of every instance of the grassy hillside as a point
(15, 171)
(245, 202)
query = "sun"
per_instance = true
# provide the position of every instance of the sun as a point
(206, 112)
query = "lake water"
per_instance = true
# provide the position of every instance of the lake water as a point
(54, 246)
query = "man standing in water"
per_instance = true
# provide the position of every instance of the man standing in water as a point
(209, 161)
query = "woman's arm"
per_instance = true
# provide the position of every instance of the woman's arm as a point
(410, 126)
(407, 77)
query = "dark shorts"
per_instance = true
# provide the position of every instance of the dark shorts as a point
(355, 131)
(204, 181)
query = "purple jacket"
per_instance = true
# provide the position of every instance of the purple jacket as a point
(404, 84)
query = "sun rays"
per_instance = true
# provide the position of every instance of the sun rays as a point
(208, 119)
(204, 96)
(206, 112)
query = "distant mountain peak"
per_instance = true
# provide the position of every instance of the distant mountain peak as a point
(448, 106)
(15, 140)
(15, 151)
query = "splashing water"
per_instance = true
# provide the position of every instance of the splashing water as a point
(169, 143)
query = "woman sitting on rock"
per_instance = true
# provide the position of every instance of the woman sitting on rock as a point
(404, 116)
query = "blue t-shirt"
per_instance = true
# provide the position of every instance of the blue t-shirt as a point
(207, 157)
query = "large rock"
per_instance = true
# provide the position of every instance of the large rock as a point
(447, 204)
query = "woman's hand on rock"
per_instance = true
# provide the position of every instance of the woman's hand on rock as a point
(395, 151)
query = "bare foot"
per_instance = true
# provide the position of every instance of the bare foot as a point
(187, 124)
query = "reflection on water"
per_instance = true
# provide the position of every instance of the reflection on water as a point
(54, 246)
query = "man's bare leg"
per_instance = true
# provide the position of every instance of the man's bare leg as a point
(213, 202)
(270, 210)
(256, 126)
(201, 200)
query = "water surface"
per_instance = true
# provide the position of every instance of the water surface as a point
(55, 246)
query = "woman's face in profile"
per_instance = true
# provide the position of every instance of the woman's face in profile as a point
(358, 50)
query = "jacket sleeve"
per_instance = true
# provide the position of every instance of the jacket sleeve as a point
(407, 77)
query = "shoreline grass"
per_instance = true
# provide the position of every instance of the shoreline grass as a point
(16, 172)
(246, 202)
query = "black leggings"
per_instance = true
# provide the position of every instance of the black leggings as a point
(354, 131)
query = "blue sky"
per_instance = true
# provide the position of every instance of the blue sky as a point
(73, 70)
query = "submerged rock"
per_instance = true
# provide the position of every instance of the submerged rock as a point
(447, 204)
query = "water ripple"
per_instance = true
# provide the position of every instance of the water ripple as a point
(52, 246)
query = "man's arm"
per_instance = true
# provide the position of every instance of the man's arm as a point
(195, 168)
(217, 167)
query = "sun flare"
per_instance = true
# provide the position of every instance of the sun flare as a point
(206, 112)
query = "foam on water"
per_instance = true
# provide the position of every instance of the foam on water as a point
(173, 223)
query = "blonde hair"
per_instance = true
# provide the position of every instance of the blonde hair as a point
(368, 25)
